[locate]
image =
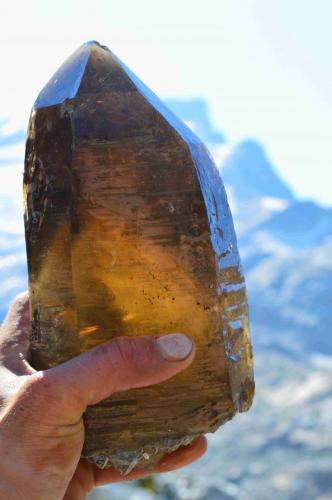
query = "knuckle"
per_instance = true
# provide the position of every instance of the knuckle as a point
(22, 297)
(122, 350)
(133, 352)
(20, 302)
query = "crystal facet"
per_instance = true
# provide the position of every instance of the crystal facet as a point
(129, 232)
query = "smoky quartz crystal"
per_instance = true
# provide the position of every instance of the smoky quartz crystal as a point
(129, 232)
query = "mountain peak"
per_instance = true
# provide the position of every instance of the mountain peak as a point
(249, 171)
(195, 113)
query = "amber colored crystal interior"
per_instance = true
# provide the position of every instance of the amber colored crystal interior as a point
(129, 232)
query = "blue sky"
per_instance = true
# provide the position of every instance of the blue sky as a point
(263, 65)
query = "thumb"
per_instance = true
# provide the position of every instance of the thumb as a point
(116, 366)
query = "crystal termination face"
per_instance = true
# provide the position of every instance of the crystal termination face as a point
(129, 232)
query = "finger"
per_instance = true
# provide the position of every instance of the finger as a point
(15, 336)
(115, 366)
(179, 458)
(88, 476)
(82, 482)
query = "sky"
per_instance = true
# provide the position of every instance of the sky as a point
(264, 66)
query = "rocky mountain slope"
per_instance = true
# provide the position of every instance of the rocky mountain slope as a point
(285, 246)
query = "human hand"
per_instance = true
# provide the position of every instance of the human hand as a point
(41, 425)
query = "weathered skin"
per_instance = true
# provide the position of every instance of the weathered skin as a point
(129, 232)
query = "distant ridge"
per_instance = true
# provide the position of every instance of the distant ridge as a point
(251, 173)
(195, 112)
(302, 224)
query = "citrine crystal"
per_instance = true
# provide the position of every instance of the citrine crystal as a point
(129, 232)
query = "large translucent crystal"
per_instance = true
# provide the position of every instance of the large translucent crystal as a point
(129, 232)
